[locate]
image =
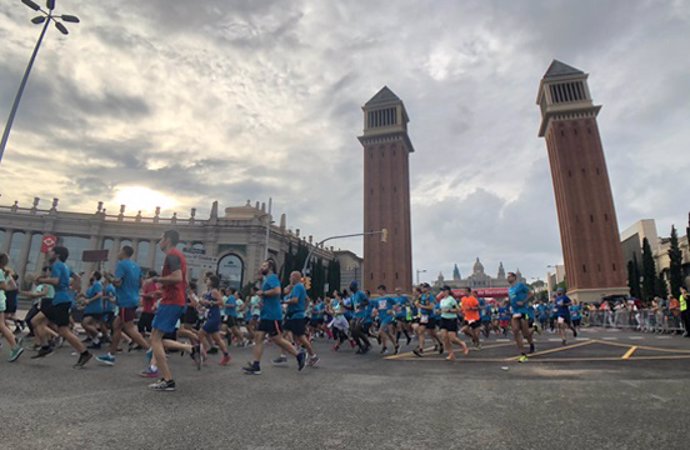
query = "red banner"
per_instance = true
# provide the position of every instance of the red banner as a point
(48, 243)
(486, 292)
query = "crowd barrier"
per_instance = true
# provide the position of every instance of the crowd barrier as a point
(646, 320)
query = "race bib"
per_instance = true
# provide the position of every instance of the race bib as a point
(561, 320)
(383, 304)
(424, 319)
(517, 316)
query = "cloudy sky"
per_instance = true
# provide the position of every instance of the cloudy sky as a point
(177, 103)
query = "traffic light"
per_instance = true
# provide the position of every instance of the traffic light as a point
(307, 283)
(384, 235)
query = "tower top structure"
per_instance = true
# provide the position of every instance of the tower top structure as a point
(563, 93)
(385, 115)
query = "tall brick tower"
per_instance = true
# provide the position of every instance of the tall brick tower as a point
(592, 249)
(387, 193)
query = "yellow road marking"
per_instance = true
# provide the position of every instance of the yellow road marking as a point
(400, 355)
(629, 353)
(645, 347)
(553, 350)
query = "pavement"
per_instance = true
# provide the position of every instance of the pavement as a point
(606, 390)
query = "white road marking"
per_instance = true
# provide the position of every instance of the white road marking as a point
(609, 338)
(635, 338)
(663, 337)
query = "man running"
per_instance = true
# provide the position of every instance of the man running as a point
(427, 320)
(174, 286)
(59, 311)
(385, 309)
(127, 282)
(563, 321)
(296, 301)
(470, 311)
(16, 347)
(93, 310)
(519, 295)
(269, 323)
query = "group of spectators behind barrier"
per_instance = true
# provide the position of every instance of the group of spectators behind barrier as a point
(661, 316)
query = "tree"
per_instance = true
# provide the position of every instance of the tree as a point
(675, 269)
(333, 275)
(649, 277)
(634, 278)
(661, 287)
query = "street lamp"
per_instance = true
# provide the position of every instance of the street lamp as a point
(45, 18)
(384, 238)
(418, 272)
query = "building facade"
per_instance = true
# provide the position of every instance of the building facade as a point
(387, 193)
(233, 244)
(590, 240)
(479, 279)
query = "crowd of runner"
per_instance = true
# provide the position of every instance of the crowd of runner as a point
(162, 313)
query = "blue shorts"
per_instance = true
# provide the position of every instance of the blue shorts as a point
(166, 318)
(212, 325)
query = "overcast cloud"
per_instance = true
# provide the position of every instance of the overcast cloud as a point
(236, 100)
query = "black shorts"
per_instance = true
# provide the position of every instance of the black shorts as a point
(231, 321)
(58, 314)
(146, 321)
(191, 316)
(127, 315)
(430, 323)
(11, 302)
(449, 325)
(108, 318)
(171, 336)
(270, 327)
(45, 304)
(474, 325)
(316, 322)
(576, 322)
(295, 326)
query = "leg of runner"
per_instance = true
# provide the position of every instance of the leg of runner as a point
(517, 328)
(16, 348)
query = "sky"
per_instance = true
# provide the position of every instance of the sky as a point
(177, 104)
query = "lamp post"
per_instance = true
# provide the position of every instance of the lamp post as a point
(45, 18)
(418, 272)
(384, 238)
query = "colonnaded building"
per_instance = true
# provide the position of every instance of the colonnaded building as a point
(233, 244)
(479, 280)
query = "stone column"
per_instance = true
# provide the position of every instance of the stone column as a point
(112, 257)
(152, 255)
(5, 248)
(24, 255)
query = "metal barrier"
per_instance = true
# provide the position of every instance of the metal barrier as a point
(646, 320)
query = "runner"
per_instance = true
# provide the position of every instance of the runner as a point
(213, 300)
(127, 282)
(563, 303)
(519, 295)
(403, 317)
(16, 347)
(269, 324)
(470, 311)
(231, 318)
(384, 305)
(296, 301)
(93, 310)
(174, 285)
(427, 321)
(339, 324)
(358, 324)
(151, 293)
(449, 323)
(59, 311)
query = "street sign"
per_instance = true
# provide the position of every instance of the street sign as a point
(94, 256)
(48, 243)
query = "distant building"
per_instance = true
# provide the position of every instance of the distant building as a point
(233, 244)
(479, 279)
(350, 268)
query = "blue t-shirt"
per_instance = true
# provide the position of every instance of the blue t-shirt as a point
(385, 306)
(503, 313)
(297, 310)
(542, 311)
(231, 306)
(359, 302)
(271, 308)
(109, 292)
(518, 293)
(317, 311)
(96, 306)
(576, 311)
(563, 306)
(426, 300)
(348, 307)
(400, 306)
(63, 293)
(127, 293)
(214, 309)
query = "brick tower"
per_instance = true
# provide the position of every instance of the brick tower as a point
(592, 250)
(387, 193)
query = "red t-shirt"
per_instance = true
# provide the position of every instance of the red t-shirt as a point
(469, 311)
(174, 294)
(148, 302)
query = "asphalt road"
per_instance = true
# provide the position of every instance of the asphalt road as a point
(584, 395)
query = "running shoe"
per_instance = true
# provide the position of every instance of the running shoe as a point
(574, 332)
(149, 373)
(418, 352)
(409, 339)
(353, 344)
(384, 350)
(397, 349)
(252, 369)
(20, 341)
(522, 359)
(196, 355)
(225, 360)
(16, 353)
(280, 361)
(440, 349)
(93, 346)
(301, 359)
(43, 352)
(531, 348)
(564, 342)
(313, 361)
(83, 359)
(163, 385)
(336, 347)
(106, 359)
